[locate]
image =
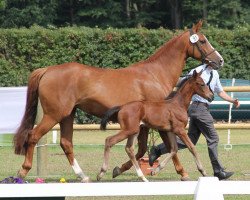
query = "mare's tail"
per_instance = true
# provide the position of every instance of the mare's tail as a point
(111, 113)
(21, 137)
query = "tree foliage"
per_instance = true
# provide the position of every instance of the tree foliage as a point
(123, 13)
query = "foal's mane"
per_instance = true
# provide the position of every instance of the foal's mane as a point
(173, 93)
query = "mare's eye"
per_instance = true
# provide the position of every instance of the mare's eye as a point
(203, 41)
(202, 85)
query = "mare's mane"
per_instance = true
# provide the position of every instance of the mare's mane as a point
(162, 49)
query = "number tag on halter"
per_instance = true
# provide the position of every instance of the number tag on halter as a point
(194, 38)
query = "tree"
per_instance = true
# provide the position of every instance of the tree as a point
(176, 13)
(173, 14)
(225, 13)
(18, 13)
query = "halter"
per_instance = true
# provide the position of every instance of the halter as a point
(198, 45)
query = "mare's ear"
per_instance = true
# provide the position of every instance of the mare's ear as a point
(196, 28)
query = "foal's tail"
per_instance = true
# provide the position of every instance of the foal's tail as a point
(111, 113)
(21, 137)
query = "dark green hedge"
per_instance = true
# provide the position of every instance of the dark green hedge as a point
(23, 50)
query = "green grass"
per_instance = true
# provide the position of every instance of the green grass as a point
(90, 158)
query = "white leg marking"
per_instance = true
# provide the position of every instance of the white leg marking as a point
(140, 174)
(78, 171)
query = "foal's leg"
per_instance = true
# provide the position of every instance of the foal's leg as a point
(130, 151)
(41, 129)
(142, 148)
(184, 137)
(66, 126)
(169, 140)
(179, 168)
(109, 142)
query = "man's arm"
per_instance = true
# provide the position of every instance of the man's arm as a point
(226, 97)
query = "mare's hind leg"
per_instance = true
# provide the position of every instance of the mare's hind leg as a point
(130, 151)
(41, 129)
(142, 148)
(66, 126)
(169, 140)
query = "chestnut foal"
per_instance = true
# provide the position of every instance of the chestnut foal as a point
(168, 116)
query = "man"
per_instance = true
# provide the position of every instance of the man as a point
(201, 121)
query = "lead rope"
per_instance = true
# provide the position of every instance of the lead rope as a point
(209, 81)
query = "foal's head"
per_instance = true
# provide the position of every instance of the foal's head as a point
(200, 87)
(201, 49)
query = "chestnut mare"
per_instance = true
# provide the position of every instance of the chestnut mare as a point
(169, 117)
(63, 88)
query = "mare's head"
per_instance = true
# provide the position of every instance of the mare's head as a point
(200, 48)
(200, 87)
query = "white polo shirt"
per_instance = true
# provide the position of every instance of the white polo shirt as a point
(215, 84)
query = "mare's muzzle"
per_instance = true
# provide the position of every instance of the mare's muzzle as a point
(215, 65)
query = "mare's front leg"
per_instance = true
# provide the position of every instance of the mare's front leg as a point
(142, 148)
(109, 142)
(184, 137)
(66, 126)
(130, 151)
(169, 140)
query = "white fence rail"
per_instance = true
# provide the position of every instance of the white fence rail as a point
(206, 188)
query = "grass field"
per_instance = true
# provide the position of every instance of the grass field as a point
(89, 153)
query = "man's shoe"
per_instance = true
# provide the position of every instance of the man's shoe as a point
(153, 155)
(223, 175)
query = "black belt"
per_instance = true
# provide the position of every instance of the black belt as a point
(200, 103)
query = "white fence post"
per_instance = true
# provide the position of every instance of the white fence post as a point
(208, 188)
(54, 136)
(229, 146)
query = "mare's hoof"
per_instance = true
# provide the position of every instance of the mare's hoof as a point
(144, 179)
(116, 172)
(21, 173)
(86, 180)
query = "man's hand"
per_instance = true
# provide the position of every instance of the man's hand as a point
(236, 103)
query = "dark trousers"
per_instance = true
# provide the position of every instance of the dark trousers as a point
(201, 121)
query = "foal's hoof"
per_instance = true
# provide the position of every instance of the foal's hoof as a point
(204, 173)
(99, 176)
(153, 173)
(116, 172)
(185, 178)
